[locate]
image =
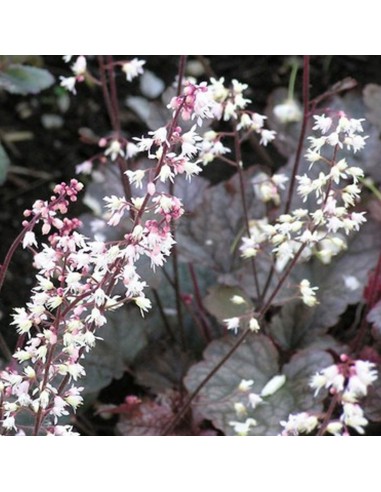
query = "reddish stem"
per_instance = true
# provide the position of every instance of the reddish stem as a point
(306, 115)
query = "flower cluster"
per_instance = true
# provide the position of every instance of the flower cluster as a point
(247, 401)
(77, 278)
(73, 292)
(78, 69)
(267, 188)
(133, 68)
(347, 382)
(321, 228)
(220, 102)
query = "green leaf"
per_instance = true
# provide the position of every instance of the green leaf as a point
(218, 302)
(4, 164)
(257, 360)
(24, 79)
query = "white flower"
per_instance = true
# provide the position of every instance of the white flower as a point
(323, 123)
(190, 169)
(238, 300)
(54, 301)
(351, 282)
(288, 111)
(328, 377)
(74, 400)
(96, 317)
(301, 423)
(72, 280)
(364, 376)
(257, 121)
(245, 384)
(254, 325)
(143, 303)
(273, 385)
(29, 239)
(355, 141)
(254, 400)
(22, 321)
(99, 296)
(85, 167)
(240, 409)
(166, 173)
(317, 143)
(312, 156)
(75, 371)
(9, 423)
(79, 66)
(243, 428)
(267, 136)
(232, 323)
(189, 142)
(114, 149)
(69, 83)
(265, 189)
(353, 416)
(136, 177)
(335, 428)
(308, 293)
(133, 68)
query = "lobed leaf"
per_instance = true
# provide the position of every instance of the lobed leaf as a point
(257, 360)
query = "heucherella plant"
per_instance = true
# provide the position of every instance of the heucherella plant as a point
(81, 280)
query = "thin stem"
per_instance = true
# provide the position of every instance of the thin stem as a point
(123, 167)
(306, 114)
(111, 100)
(176, 281)
(114, 95)
(174, 255)
(106, 94)
(172, 425)
(4, 267)
(39, 416)
(358, 341)
(164, 318)
(199, 303)
(199, 321)
(160, 163)
(291, 84)
(245, 209)
(328, 414)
